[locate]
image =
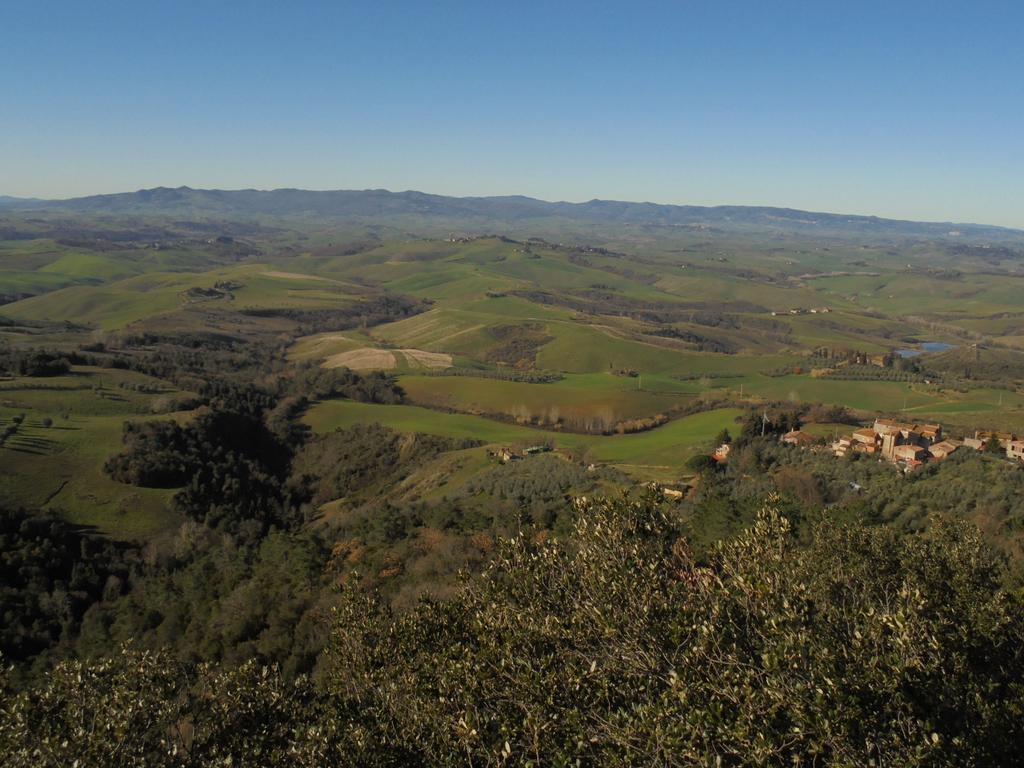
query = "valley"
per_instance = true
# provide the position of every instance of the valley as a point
(630, 350)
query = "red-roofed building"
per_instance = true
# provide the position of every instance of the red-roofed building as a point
(943, 449)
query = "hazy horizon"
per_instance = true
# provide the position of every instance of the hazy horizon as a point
(911, 112)
(514, 194)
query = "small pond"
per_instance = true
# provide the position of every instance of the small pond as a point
(924, 346)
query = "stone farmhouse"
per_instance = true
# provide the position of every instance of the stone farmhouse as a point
(798, 438)
(1015, 449)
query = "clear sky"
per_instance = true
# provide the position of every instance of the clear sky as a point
(899, 108)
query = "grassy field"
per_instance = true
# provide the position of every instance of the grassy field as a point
(656, 454)
(614, 398)
(86, 391)
(661, 454)
(120, 303)
(920, 400)
(576, 399)
(61, 468)
(333, 414)
(59, 465)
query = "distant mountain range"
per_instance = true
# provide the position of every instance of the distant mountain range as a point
(7, 202)
(365, 206)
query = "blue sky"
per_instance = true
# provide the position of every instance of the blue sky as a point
(903, 109)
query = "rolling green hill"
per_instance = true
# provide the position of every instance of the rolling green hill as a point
(576, 324)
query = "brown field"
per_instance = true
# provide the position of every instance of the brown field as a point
(427, 359)
(362, 359)
(369, 358)
(292, 276)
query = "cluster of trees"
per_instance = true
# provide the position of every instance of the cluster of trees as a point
(782, 370)
(317, 383)
(642, 424)
(770, 419)
(517, 345)
(139, 386)
(243, 578)
(235, 588)
(233, 460)
(777, 418)
(538, 489)
(367, 458)
(876, 373)
(362, 313)
(232, 467)
(219, 596)
(189, 359)
(615, 647)
(604, 421)
(501, 374)
(710, 376)
(50, 573)
(33, 362)
(701, 342)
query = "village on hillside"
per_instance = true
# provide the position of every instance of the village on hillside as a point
(910, 445)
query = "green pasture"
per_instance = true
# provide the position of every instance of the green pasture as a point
(579, 348)
(104, 307)
(90, 267)
(117, 304)
(15, 282)
(659, 453)
(86, 391)
(513, 308)
(60, 466)
(922, 400)
(440, 330)
(333, 414)
(840, 329)
(555, 272)
(29, 255)
(572, 399)
(915, 292)
(668, 446)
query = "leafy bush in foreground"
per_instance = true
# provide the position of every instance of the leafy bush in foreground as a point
(613, 648)
(619, 649)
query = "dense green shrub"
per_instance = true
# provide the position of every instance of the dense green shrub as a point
(616, 647)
